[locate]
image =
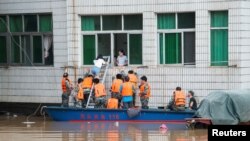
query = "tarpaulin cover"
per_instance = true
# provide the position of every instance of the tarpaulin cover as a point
(226, 107)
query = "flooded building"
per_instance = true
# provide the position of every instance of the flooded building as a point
(199, 45)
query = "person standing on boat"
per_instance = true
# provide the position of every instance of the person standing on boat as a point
(144, 92)
(133, 79)
(100, 94)
(127, 90)
(86, 86)
(115, 88)
(178, 101)
(79, 91)
(112, 103)
(192, 101)
(66, 88)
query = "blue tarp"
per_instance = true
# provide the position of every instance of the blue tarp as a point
(226, 107)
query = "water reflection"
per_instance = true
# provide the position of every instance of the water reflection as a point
(13, 129)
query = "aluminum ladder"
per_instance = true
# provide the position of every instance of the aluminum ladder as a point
(102, 76)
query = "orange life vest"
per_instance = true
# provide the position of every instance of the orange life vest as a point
(87, 82)
(112, 103)
(100, 90)
(116, 85)
(179, 98)
(127, 89)
(80, 94)
(142, 88)
(133, 79)
(63, 84)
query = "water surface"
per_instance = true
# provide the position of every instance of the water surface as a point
(13, 129)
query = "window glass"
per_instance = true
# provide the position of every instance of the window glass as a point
(219, 19)
(90, 23)
(166, 21)
(15, 50)
(113, 22)
(132, 22)
(104, 44)
(189, 48)
(135, 49)
(45, 23)
(173, 48)
(88, 49)
(37, 49)
(186, 20)
(16, 24)
(3, 24)
(219, 47)
(30, 23)
(3, 50)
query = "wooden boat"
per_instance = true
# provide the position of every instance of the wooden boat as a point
(80, 114)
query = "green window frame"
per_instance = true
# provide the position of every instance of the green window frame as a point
(30, 41)
(219, 38)
(99, 31)
(176, 33)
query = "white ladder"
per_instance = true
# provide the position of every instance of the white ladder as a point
(102, 77)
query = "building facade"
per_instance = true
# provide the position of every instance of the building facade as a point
(199, 45)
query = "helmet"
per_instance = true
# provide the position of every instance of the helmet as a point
(65, 74)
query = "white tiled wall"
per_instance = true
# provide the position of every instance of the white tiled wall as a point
(42, 84)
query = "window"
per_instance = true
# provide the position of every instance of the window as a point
(133, 22)
(108, 34)
(2, 24)
(29, 41)
(112, 22)
(3, 49)
(176, 33)
(90, 23)
(219, 38)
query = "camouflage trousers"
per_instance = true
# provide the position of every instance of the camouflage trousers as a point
(65, 100)
(100, 102)
(144, 102)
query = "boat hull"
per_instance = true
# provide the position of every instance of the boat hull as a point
(79, 114)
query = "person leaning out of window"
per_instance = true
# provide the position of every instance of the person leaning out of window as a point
(122, 59)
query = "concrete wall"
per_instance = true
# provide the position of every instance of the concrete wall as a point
(42, 84)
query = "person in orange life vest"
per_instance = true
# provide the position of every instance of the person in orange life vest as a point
(178, 101)
(76, 91)
(79, 92)
(127, 90)
(144, 92)
(115, 88)
(133, 79)
(66, 88)
(112, 103)
(100, 94)
(86, 86)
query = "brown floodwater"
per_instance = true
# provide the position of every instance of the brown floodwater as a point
(13, 128)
